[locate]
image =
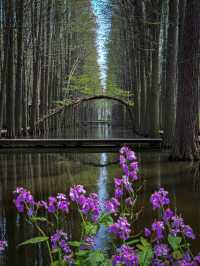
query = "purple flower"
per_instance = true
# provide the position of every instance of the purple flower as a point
(121, 228)
(63, 206)
(168, 214)
(76, 192)
(158, 228)
(118, 193)
(127, 184)
(129, 201)
(134, 166)
(124, 150)
(188, 232)
(54, 204)
(125, 169)
(147, 232)
(90, 206)
(158, 262)
(24, 200)
(60, 240)
(128, 163)
(118, 182)
(161, 250)
(61, 197)
(122, 160)
(89, 243)
(159, 199)
(176, 225)
(197, 258)
(112, 206)
(125, 256)
(133, 175)
(131, 155)
(3, 245)
(177, 222)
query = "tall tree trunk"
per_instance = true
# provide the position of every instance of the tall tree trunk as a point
(186, 144)
(36, 37)
(10, 103)
(18, 88)
(171, 74)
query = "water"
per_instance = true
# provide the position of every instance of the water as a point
(46, 173)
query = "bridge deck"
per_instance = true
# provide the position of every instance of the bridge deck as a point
(57, 143)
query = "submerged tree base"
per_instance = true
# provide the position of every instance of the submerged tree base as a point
(185, 153)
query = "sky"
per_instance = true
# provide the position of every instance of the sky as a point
(103, 26)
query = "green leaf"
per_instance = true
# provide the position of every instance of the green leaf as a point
(34, 241)
(96, 258)
(58, 263)
(146, 252)
(106, 219)
(131, 242)
(174, 241)
(145, 257)
(144, 242)
(55, 263)
(39, 219)
(82, 253)
(90, 229)
(75, 243)
(177, 255)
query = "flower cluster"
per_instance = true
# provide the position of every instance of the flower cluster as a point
(125, 256)
(89, 243)
(128, 163)
(112, 206)
(159, 199)
(3, 245)
(59, 240)
(171, 222)
(165, 242)
(89, 205)
(24, 201)
(121, 228)
(58, 203)
(169, 228)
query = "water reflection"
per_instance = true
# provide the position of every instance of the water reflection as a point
(48, 173)
(98, 131)
(102, 238)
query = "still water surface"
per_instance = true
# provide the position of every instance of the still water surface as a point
(46, 173)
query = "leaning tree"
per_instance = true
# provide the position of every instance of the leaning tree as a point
(186, 144)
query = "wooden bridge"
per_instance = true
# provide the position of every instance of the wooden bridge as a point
(76, 143)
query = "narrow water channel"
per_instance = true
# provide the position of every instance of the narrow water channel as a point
(46, 173)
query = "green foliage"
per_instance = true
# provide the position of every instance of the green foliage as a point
(174, 241)
(75, 243)
(106, 219)
(85, 84)
(90, 228)
(92, 258)
(34, 241)
(116, 91)
(145, 253)
(58, 263)
(35, 219)
(97, 258)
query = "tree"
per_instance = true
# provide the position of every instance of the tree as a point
(171, 74)
(186, 143)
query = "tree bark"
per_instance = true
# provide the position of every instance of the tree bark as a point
(186, 144)
(171, 74)
(18, 88)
